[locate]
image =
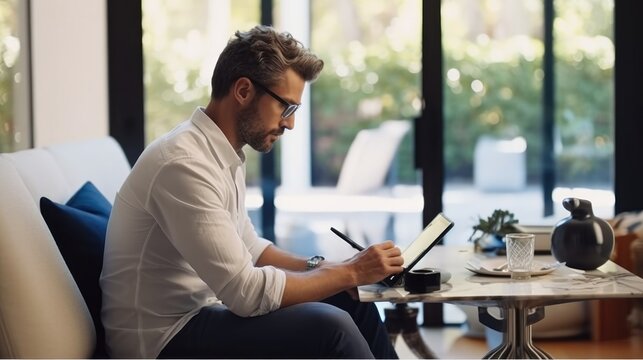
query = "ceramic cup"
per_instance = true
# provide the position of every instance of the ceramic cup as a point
(520, 255)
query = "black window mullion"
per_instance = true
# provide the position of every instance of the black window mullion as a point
(628, 107)
(268, 176)
(548, 161)
(125, 75)
(429, 140)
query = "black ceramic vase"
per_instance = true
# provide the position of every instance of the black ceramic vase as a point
(582, 240)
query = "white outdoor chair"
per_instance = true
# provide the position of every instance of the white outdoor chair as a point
(360, 203)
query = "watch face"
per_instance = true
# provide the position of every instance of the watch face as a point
(313, 262)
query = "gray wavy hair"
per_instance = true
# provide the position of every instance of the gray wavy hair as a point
(262, 54)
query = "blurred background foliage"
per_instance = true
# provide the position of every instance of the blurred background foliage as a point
(372, 74)
(492, 87)
(372, 51)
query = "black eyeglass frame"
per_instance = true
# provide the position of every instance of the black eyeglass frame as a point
(290, 108)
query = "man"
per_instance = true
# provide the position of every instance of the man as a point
(185, 274)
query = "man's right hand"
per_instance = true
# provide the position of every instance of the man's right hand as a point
(376, 263)
(369, 266)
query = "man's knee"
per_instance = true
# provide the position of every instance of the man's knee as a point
(337, 331)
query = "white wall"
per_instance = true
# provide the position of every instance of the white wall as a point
(69, 70)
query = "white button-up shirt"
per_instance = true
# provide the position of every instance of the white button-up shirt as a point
(179, 238)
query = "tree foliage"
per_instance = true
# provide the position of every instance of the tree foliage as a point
(373, 73)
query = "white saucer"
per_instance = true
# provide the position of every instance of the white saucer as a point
(486, 266)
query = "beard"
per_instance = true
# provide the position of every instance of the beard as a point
(251, 131)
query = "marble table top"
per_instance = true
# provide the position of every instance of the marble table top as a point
(561, 285)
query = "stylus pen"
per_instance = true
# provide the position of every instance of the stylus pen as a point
(347, 239)
(385, 282)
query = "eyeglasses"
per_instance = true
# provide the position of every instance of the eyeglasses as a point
(290, 108)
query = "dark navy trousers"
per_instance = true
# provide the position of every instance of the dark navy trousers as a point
(338, 327)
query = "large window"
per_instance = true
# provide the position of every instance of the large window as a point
(494, 113)
(15, 126)
(373, 69)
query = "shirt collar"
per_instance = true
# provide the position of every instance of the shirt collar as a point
(219, 144)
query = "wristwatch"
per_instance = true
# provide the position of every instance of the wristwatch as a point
(313, 262)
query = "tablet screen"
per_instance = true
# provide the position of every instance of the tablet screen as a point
(430, 236)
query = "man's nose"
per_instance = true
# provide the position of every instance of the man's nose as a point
(289, 122)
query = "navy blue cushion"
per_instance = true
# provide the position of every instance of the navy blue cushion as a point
(79, 228)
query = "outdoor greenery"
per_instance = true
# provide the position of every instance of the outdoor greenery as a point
(179, 59)
(373, 73)
(364, 82)
(510, 103)
(492, 87)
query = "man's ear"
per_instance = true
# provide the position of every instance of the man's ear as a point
(243, 90)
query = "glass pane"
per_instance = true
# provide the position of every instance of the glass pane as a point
(15, 125)
(584, 48)
(493, 54)
(371, 78)
(181, 43)
(372, 51)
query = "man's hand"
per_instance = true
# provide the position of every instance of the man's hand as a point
(366, 267)
(376, 263)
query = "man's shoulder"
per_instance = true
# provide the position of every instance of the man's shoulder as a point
(184, 142)
(182, 146)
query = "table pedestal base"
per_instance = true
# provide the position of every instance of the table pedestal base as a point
(516, 333)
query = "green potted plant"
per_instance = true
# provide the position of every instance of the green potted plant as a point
(488, 233)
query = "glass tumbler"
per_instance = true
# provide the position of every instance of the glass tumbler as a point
(520, 255)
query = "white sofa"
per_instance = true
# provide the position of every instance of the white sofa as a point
(42, 313)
